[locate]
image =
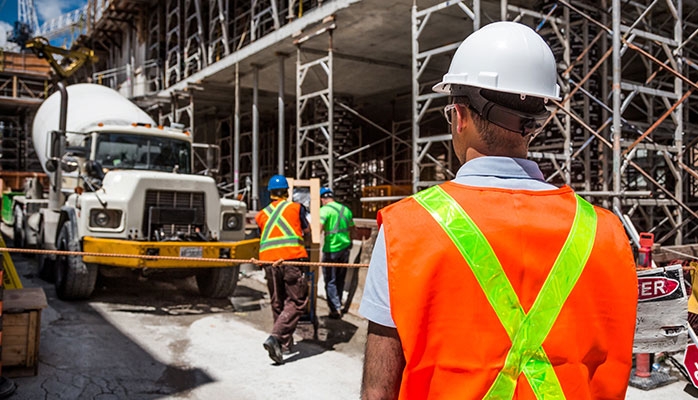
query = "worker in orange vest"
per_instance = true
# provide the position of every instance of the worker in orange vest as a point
(284, 231)
(497, 284)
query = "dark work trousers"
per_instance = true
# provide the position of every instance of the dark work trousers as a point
(288, 289)
(334, 278)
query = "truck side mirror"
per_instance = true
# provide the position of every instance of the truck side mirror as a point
(51, 165)
(69, 164)
(94, 169)
(77, 151)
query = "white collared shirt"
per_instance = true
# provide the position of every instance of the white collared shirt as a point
(494, 172)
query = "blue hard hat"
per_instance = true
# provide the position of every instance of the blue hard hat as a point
(325, 192)
(277, 182)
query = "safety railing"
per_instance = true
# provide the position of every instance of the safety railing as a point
(132, 82)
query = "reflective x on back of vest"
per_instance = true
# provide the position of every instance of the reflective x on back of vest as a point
(276, 218)
(526, 331)
(338, 228)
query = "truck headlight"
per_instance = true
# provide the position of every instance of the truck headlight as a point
(232, 222)
(101, 218)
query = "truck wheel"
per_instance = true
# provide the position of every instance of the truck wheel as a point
(18, 228)
(46, 264)
(218, 283)
(74, 278)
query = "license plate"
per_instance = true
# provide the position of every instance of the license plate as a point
(193, 252)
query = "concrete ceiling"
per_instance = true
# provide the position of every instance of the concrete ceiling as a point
(372, 52)
(372, 48)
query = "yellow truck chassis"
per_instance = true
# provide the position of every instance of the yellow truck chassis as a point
(244, 249)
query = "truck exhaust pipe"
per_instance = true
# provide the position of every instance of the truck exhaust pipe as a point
(55, 196)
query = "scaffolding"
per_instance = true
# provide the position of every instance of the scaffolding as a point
(624, 134)
(623, 69)
(315, 110)
(24, 84)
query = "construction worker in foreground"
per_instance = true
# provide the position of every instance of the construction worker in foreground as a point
(498, 285)
(337, 223)
(283, 225)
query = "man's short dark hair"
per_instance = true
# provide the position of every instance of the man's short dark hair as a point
(494, 136)
(279, 192)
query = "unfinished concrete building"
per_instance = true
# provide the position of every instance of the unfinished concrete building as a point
(341, 90)
(24, 84)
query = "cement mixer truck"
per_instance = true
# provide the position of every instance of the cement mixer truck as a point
(121, 184)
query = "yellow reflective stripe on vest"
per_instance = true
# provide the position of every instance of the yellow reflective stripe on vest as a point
(526, 331)
(289, 238)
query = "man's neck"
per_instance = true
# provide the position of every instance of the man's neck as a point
(472, 154)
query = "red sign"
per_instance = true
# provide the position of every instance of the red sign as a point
(690, 361)
(653, 287)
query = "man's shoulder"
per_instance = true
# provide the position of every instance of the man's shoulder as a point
(608, 218)
(403, 205)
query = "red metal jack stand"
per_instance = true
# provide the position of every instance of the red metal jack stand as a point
(642, 376)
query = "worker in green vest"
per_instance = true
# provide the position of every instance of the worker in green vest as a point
(337, 223)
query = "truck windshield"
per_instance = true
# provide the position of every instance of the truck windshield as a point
(123, 151)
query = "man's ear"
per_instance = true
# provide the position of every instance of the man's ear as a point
(463, 118)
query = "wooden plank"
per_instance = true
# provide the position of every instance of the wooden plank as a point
(25, 62)
(24, 299)
(14, 355)
(32, 338)
(21, 319)
(11, 332)
(664, 254)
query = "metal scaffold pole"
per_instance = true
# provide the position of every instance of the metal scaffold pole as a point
(281, 133)
(236, 132)
(434, 148)
(255, 139)
(678, 117)
(315, 108)
(616, 105)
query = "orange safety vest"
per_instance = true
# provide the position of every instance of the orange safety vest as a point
(281, 232)
(455, 343)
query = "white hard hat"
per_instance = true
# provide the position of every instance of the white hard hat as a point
(506, 57)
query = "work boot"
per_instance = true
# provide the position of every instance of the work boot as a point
(274, 348)
(335, 314)
(7, 387)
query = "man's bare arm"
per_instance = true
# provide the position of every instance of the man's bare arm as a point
(307, 237)
(383, 363)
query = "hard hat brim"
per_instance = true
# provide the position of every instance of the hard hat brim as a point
(451, 89)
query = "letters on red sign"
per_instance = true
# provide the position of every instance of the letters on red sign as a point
(650, 288)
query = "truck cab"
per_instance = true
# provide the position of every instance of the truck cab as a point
(128, 193)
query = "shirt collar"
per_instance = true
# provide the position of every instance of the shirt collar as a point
(502, 167)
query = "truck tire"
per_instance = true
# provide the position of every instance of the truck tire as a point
(74, 279)
(18, 237)
(217, 283)
(46, 264)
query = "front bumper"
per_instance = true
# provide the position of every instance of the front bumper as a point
(243, 249)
